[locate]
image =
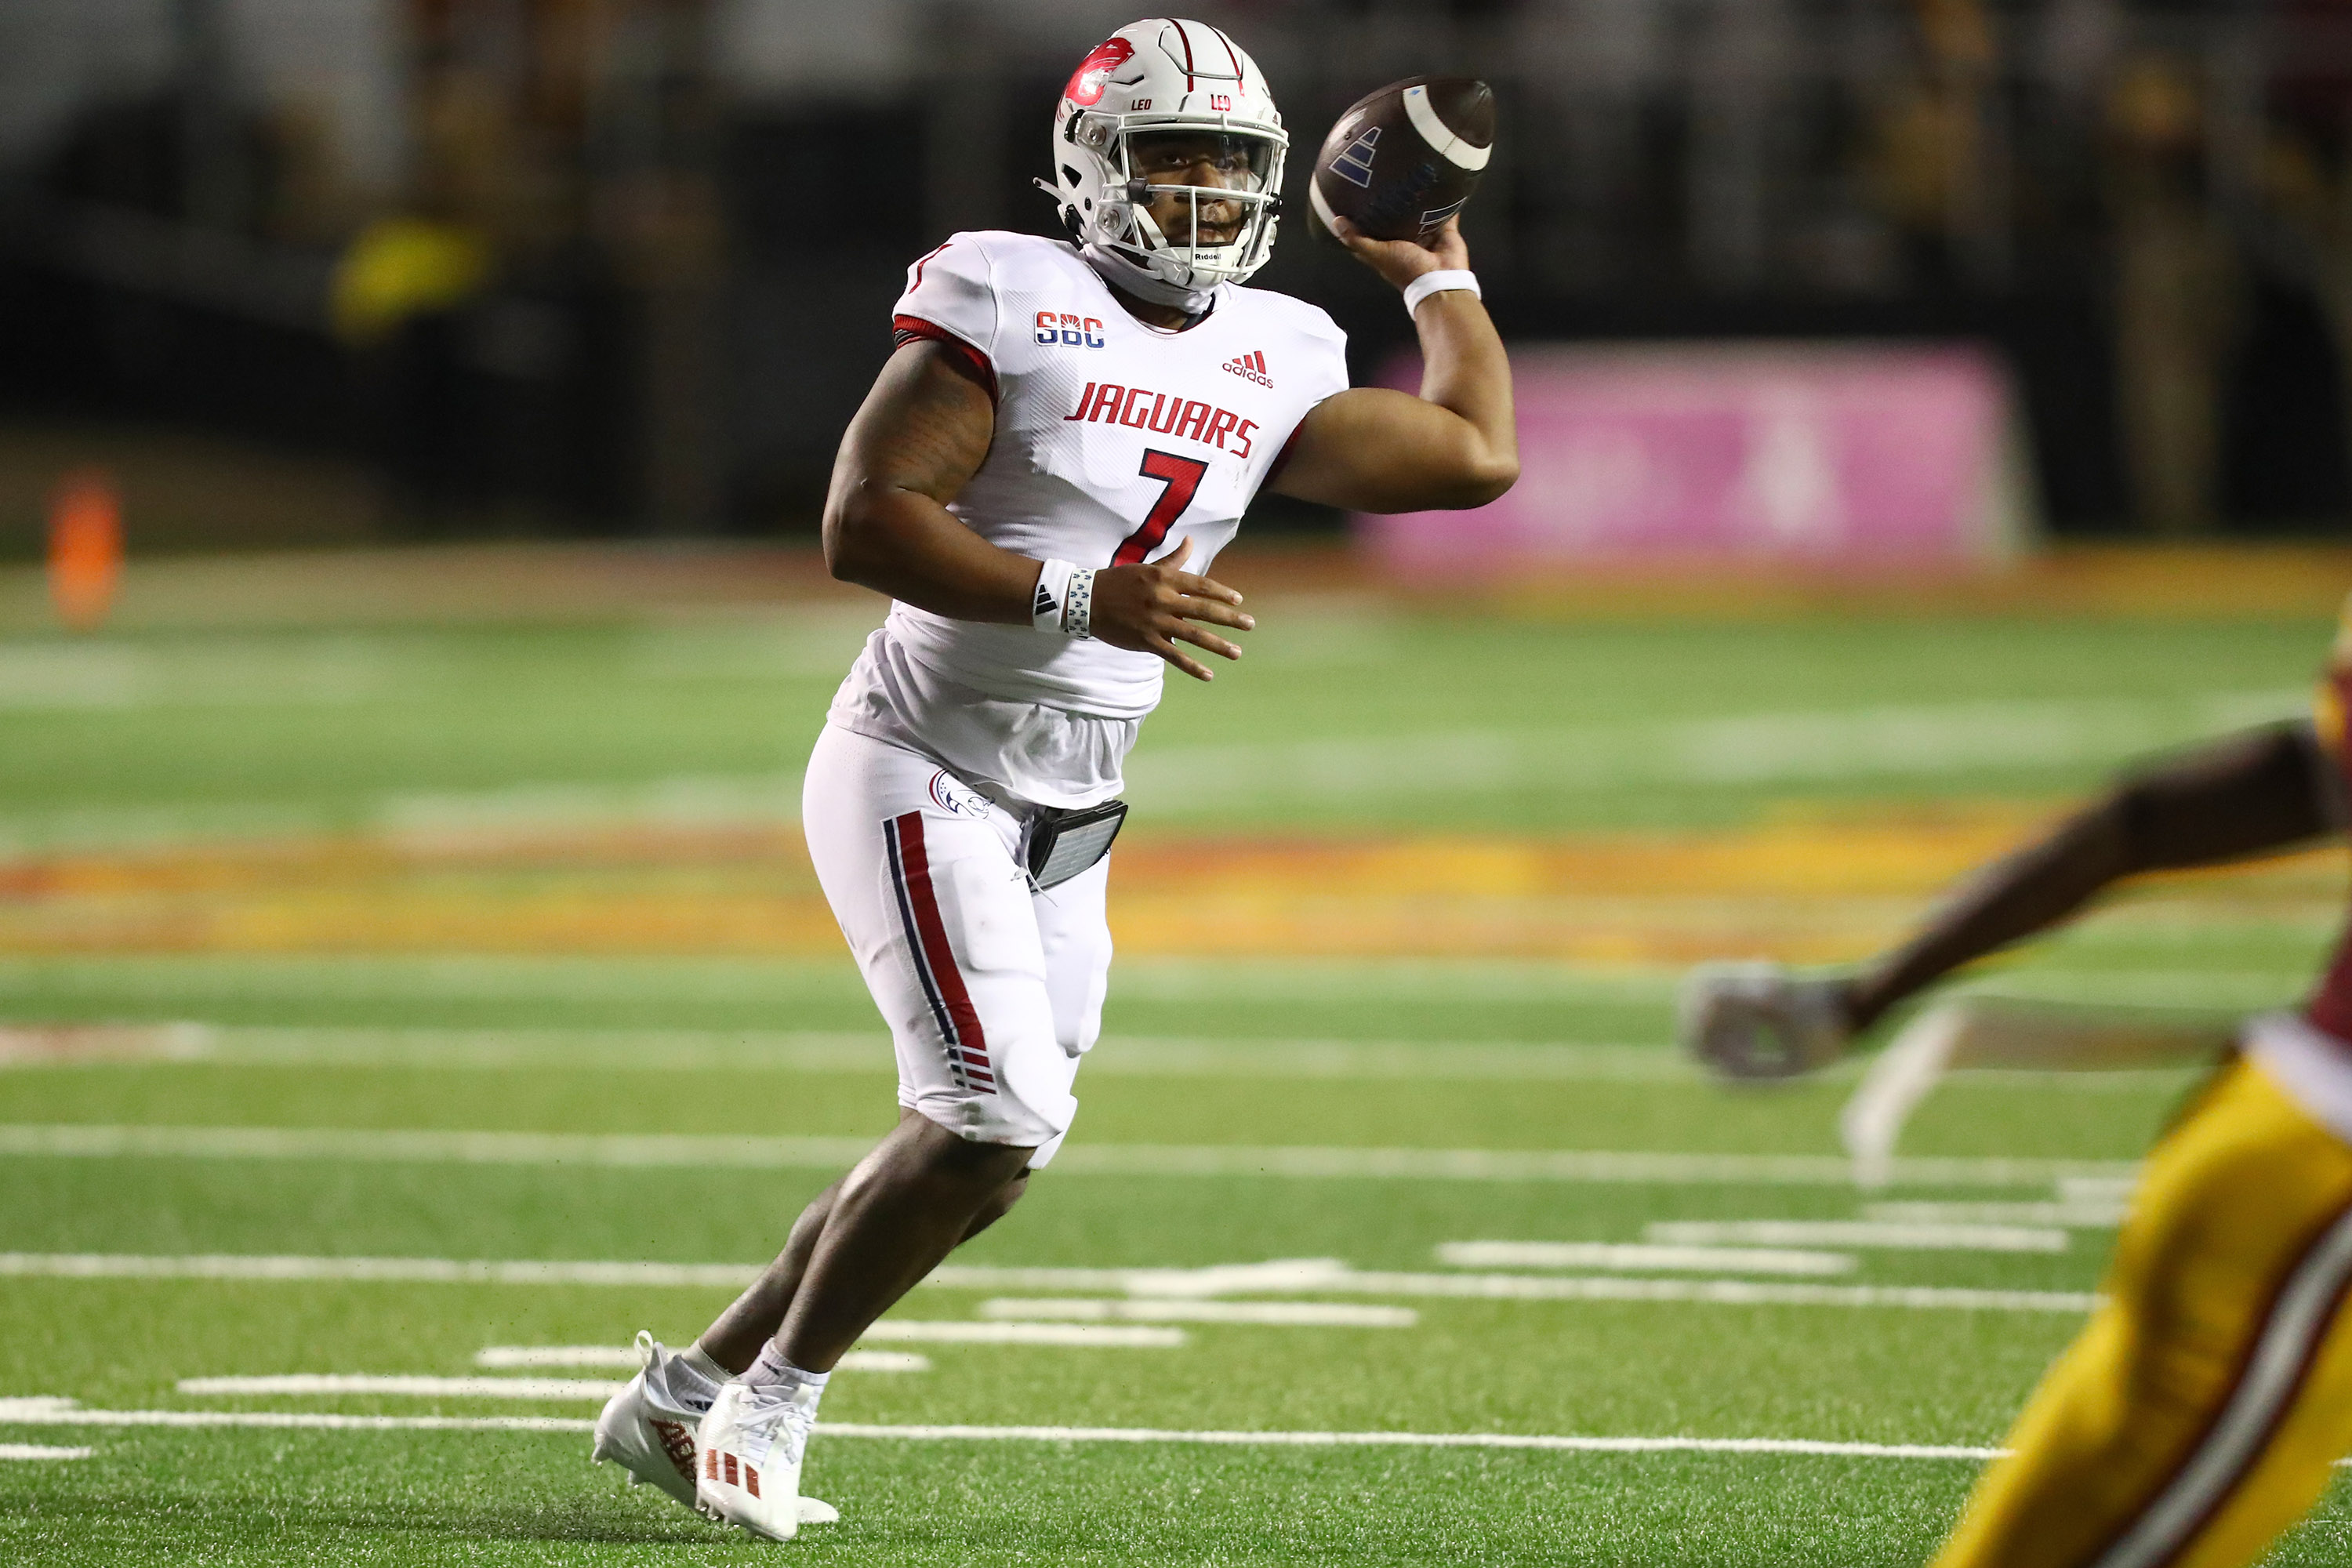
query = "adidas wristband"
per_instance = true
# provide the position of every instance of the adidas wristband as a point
(1438, 282)
(1065, 600)
(1046, 609)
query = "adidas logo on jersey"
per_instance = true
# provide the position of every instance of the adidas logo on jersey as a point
(1251, 366)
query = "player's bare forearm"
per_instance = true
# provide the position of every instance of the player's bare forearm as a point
(922, 433)
(1465, 372)
(1456, 445)
(2250, 794)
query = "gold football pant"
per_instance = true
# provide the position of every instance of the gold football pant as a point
(2203, 1409)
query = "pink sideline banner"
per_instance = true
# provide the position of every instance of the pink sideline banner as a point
(1796, 453)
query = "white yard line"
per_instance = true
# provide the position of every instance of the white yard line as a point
(1857, 1232)
(935, 1331)
(1273, 1314)
(1154, 1283)
(1312, 1276)
(2097, 1189)
(431, 1146)
(1416, 1440)
(528, 1388)
(2066, 1216)
(497, 1358)
(389, 1271)
(1556, 1165)
(66, 1413)
(742, 1051)
(727, 1152)
(37, 1451)
(889, 1331)
(1748, 748)
(45, 1411)
(427, 818)
(847, 1051)
(1460, 985)
(1636, 1258)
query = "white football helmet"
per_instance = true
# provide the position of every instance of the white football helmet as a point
(1160, 78)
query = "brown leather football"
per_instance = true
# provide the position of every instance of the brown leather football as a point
(1404, 159)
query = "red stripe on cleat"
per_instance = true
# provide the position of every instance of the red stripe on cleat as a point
(750, 1477)
(677, 1446)
(732, 1479)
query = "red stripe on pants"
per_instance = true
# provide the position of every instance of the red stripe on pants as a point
(915, 860)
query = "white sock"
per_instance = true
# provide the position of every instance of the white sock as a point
(699, 1362)
(694, 1379)
(771, 1370)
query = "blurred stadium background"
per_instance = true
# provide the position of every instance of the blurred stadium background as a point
(337, 270)
(413, 415)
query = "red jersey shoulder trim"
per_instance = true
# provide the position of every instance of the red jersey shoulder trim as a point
(905, 330)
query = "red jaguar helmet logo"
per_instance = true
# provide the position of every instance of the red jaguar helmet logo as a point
(1086, 89)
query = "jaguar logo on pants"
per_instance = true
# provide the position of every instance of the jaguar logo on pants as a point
(949, 795)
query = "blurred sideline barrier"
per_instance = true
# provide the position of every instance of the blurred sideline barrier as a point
(1821, 454)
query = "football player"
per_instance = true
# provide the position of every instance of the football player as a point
(1067, 434)
(2202, 1411)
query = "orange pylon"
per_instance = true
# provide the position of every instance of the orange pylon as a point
(85, 548)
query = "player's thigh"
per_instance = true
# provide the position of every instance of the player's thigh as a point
(920, 872)
(2200, 1411)
(1074, 926)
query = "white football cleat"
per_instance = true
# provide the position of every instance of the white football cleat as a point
(752, 1443)
(648, 1428)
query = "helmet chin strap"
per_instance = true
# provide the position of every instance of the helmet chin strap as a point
(1121, 273)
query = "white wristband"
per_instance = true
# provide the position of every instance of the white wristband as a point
(1078, 603)
(1428, 283)
(1053, 586)
(1064, 601)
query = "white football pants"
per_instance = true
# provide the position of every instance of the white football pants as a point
(991, 991)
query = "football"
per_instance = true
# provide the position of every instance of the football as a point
(1403, 160)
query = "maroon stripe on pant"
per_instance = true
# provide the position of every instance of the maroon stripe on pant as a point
(931, 934)
(2250, 1429)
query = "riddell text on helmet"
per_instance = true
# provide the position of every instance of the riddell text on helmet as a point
(1140, 408)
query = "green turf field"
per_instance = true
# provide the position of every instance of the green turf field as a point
(426, 1139)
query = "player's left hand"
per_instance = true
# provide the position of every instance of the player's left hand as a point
(1753, 1021)
(1400, 261)
(1153, 605)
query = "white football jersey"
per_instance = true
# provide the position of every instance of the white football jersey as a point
(1114, 441)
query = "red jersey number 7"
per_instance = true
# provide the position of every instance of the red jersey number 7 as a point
(1182, 476)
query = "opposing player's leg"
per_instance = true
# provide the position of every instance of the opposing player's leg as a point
(2203, 1410)
(921, 873)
